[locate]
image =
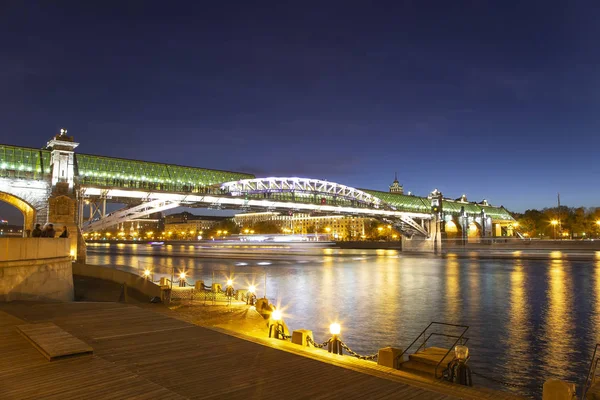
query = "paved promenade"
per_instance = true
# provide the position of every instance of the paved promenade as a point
(143, 354)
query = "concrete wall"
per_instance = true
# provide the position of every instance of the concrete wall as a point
(35, 269)
(114, 275)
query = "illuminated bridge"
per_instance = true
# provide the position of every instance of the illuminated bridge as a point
(54, 185)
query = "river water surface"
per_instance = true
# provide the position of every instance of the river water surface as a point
(530, 320)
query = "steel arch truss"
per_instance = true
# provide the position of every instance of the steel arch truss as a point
(130, 213)
(301, 185)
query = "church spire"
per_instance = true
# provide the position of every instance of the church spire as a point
(396, 187)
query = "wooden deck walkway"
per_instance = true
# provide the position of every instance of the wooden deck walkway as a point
(142, 354)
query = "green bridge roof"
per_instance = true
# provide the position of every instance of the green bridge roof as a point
(403, 202)
(24, 162)
(109, 171)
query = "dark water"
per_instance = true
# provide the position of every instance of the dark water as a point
(530, 320)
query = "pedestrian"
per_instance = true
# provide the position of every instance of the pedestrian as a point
(49, 232)
(37, 231)
(65, 233)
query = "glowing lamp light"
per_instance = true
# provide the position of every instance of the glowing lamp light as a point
(554, 222)
(182, 275)
(229, 282)
(252, 289)
(335, 329)
(461, 352)
(276, 315)
(146, 272)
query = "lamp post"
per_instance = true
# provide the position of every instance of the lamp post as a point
(554, 223)
(334, 346)
(275, 325)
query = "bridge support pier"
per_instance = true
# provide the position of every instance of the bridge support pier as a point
(430, 244)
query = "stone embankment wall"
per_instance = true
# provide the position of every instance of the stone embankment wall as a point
(133, 281)
(35, 269)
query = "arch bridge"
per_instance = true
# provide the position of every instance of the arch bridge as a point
(54, 184)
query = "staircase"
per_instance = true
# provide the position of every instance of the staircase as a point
(425, 361)
(431, 361)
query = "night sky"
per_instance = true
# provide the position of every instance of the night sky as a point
(494, 99)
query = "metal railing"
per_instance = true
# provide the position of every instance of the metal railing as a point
(458, 339)
(591, 375)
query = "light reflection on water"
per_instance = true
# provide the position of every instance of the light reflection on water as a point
(530, 320)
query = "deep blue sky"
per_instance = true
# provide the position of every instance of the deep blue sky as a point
(498, 100)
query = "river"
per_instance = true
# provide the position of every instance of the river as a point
(530, 319)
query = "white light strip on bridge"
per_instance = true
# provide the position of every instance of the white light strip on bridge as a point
(233, 201)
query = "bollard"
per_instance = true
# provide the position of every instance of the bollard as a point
(300, 336)
(558, 390)
(216, 287)
(275, 325)
(199, 285)
(164, 281)
(335, 346)
(388, 357)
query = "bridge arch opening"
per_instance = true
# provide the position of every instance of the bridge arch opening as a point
(24, 207)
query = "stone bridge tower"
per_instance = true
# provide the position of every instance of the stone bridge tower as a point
(62, 203)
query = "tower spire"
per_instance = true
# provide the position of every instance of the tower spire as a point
(396, 187)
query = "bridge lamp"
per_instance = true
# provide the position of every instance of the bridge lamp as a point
(276, 315)
(182, 275)
(147, 273)
(252, 289)
(229, 282)
(461, 353)
(335, 328)
(598, 222)
(554, 222)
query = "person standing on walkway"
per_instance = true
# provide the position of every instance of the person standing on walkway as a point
(49, 231)
(37, 231)
(65, 233)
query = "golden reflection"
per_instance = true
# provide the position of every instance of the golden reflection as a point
(474, 284)
(559, 319)
(452, 289)
(518, 328)
(380, 252)
(556, 254)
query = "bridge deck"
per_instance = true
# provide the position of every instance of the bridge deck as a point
(139, 353)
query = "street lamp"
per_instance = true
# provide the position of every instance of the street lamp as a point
(554, 223)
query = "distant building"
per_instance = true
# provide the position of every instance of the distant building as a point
(339, 227)
(186, 222)
(396, 187)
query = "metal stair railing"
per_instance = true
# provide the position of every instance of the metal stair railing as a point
(459, 338)
(591, 375)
